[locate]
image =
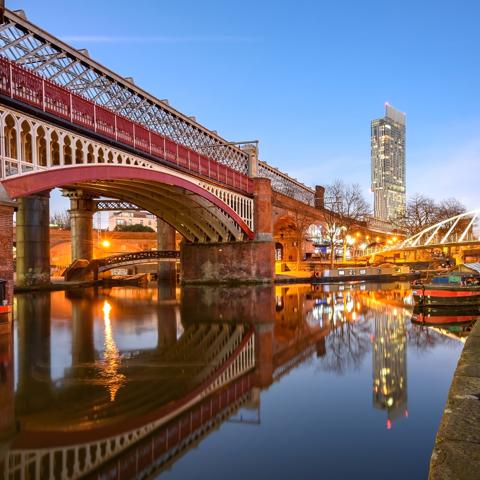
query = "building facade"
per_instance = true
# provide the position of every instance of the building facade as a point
(388, 164)
(131, 217)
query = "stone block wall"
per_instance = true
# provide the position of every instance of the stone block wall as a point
(235, 262)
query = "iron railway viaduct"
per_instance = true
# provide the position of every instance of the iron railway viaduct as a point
(68, 122)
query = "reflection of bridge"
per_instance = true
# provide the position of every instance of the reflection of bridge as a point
(94, 430)
(136, 258)
(452, 236)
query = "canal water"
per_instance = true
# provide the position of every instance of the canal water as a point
(276, 382)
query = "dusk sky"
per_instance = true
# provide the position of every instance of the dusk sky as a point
(305, 78)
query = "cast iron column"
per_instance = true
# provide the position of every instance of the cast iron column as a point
(33, 240)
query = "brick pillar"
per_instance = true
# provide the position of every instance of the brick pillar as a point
(82, 208)
(6, 248)
(33, 240)
(319, 197)
(263, 219)
(165, 241)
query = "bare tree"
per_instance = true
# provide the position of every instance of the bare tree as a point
(345, 206)
(423, 212)
(61, 220)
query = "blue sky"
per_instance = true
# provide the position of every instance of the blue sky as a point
(303, 77)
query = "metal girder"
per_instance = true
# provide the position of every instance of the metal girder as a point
(186, 203)
(164, 207)
(112, 205)
(20, 35)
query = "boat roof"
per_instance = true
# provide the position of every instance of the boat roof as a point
(473, 267)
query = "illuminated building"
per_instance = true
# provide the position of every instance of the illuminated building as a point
(390, 364)
(132, 217)
(388, 164)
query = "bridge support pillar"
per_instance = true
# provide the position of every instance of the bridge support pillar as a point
(33, 240)
(6, 247)
(82, 208)
(263, 218)
(165, 241)
(233, 262)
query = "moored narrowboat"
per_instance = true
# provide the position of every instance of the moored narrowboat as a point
(448, 291)
(382, 273)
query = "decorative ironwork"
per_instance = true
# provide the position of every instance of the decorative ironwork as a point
(112, 205)
(41, 52)
(286, 185)
(113, 261)
(457, 230)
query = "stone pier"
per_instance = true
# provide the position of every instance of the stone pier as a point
(165, 241)
(82, 208)
(33, 240)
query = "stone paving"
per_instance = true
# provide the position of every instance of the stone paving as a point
(456, 454)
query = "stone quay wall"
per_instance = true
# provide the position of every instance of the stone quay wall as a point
(456, 454)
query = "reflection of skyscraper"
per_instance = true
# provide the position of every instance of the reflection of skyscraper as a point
(390, 364)
(388, 164)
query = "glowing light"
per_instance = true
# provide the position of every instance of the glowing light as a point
(110, 364)
(389, 424)
(106, 244)
(390, 402)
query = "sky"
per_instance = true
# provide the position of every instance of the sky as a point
(305, 78)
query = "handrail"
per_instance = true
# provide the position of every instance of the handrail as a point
(20, 84)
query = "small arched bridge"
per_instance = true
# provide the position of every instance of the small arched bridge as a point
(459, 232)
(135, 258)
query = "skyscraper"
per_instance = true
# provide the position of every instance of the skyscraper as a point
(388, 164)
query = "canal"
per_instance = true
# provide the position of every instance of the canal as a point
(262, 382)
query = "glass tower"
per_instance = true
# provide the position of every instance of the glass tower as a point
(388, 164)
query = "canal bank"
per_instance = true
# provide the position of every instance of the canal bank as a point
(456, 454)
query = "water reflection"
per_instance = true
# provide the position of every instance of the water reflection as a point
(121, 382)
(110, 364)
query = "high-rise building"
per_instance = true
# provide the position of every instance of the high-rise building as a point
(388, 164)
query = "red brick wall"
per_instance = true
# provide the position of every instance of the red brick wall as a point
(227, 262)
(6, 246)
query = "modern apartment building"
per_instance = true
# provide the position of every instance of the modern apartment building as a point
(388, 164)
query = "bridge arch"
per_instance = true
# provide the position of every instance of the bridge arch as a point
(195, 212)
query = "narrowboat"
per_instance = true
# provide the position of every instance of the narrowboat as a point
(448, 291)
(382, 273)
